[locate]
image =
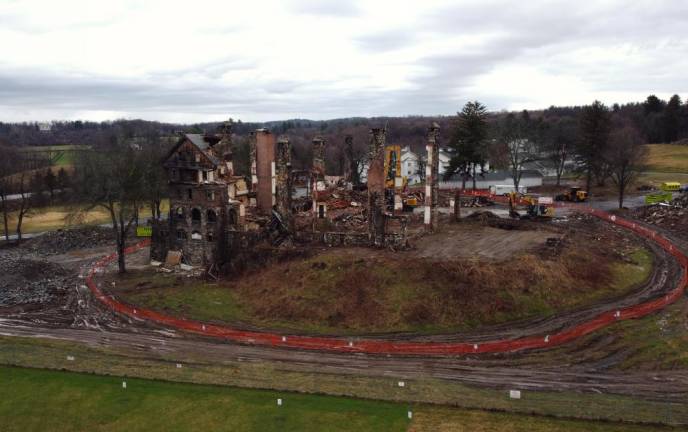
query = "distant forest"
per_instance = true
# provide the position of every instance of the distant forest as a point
(656, 121)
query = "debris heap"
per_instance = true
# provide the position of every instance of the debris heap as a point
(673, 216)
(65, 240)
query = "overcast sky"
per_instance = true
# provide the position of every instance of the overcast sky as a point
(197, 60)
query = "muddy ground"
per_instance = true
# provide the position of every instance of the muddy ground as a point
(67, 312)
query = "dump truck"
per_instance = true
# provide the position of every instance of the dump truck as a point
(575, 194)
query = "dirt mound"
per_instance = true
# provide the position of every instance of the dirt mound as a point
(61, 241)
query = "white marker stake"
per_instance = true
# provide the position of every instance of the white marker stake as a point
(410, 415)
(402, 384)
(515, 394)
(179, 365)
(279, 402)
(284, 338)
(70, 358)
(124, 384)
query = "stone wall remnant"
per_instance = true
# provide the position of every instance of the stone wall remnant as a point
(432, 177)
(376, 186)
(265, 171)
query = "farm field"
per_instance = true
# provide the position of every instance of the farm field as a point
(667, 158)
(58, 217)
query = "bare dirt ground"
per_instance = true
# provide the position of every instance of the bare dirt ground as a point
(477, 241)
(587, 366)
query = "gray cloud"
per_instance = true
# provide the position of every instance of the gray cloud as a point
(385, 41)
(553, 37)
(334, 8)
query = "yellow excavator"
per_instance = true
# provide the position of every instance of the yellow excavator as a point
(536, 207)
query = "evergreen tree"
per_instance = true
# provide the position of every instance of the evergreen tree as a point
(672, 119)
(594, 126)
(469, 142)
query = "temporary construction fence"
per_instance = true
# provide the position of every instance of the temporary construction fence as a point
(378, 346)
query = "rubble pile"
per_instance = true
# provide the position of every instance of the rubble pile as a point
(61, 241)
(25, 281)
(673, 215)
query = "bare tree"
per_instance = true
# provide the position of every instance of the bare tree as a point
(559, 144)
(624, 155)
(112, 178)
(155, 176)
(25, 191)
(517, 139)
(7, 168)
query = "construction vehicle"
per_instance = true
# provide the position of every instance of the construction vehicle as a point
(575, 194)
(513, 199)
(536, 207)
(671, 187)
(540, 207)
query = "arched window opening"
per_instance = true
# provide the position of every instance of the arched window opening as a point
(180, 212)
(210, 236)
(232, 217)
(212, 217)
(181, 235)
(196, 215)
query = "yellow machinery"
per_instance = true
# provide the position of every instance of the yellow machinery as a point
(671, 186)
(536, 207)
(575, 194)
(393, 177)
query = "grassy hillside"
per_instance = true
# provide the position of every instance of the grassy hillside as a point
(338, 292)
(667, 158)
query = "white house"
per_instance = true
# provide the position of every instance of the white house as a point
(529, 178)
(410, 166)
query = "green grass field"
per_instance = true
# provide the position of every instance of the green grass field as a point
(41, 400)
(58, 401)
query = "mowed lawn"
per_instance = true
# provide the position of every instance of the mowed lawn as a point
(41, 400)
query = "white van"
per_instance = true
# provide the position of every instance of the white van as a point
(507, 189)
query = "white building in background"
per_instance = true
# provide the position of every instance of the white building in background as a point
(411, 166)
(45, 126)
(529, 178)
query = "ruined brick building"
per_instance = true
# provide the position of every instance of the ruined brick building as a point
(205, 198)
(214, 215)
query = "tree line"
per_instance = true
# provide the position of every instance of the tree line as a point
(601, 143)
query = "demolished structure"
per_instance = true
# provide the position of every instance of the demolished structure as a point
(214, 215)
